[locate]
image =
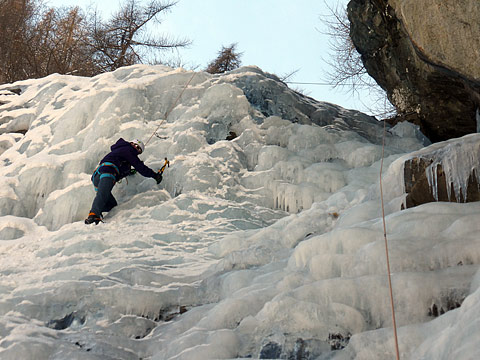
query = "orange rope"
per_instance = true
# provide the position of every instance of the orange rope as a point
(171, 108)
(386, 248)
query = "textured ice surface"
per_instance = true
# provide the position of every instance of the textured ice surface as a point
(265, 245)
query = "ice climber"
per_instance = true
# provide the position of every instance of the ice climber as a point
(113, 167)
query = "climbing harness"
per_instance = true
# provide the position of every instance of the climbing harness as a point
(105, 164)
(104, 175)
(170, 109)
(394, 323)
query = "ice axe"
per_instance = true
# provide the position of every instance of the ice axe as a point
(162, 169)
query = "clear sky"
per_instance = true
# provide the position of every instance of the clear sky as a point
(279, 36)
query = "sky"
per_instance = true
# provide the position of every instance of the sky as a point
(279, 36)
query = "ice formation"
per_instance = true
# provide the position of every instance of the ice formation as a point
(458, 160)
(264, 240)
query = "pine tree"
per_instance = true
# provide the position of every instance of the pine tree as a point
(228, 59)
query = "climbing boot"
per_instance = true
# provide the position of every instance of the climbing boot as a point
(93, 218)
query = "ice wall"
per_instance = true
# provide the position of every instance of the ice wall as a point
(264, 239)
(70, 122)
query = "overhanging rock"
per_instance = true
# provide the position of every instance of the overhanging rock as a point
(424, 54)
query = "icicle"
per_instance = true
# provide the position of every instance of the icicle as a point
(402, 185)
(458, 159)
(431, 172)
(478, 120)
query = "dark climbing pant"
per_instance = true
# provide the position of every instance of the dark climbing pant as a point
(104, 200)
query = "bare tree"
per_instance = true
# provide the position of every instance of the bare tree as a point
(119, 41)
(348, 70)
(15, 18)
(55, 43)
(69, 50)
(37, 41)
(228, 59)
(347, 65)
(173, 60)
(287, 78)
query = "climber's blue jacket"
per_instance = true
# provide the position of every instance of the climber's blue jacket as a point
(120, 160)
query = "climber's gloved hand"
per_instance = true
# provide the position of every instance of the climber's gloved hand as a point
(132, 172)
(158, 177)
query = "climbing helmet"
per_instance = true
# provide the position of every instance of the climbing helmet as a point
(139, 145)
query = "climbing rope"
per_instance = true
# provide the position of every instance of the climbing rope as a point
(386, 247)
(171, 108)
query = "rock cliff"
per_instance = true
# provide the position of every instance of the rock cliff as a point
(425, 55)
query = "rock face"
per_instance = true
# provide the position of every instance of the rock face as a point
(267, 94)
(446, 171)
(419, 191)
(425, 55)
